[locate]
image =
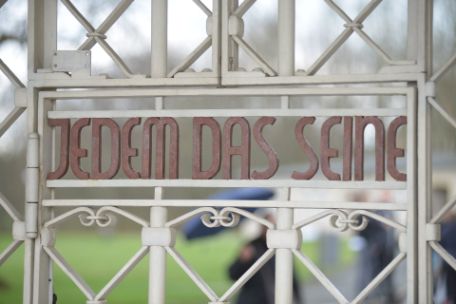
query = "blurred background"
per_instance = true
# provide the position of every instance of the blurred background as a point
(98, 253)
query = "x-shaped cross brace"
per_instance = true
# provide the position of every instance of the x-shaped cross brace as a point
(351, 26)
(201, 48)
(6, 123)
(107, 24)
(235, 17)
(98, 35)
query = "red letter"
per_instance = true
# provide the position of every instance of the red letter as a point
(229, 150)
(127, 151)
(313, 160)
(160, 124)
(267, 149)
(64, 125)
(394, 152)
(360, 125)
(76, 153)
(147, 146)
(326, 153)
(348, 142)
(198, 123)
(97, 126)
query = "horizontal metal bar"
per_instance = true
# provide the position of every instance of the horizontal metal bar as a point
(269, 91)
(300, 78)
(303, 79)
(40, 81)
(228, 113)
(223, 183)
(222, 203)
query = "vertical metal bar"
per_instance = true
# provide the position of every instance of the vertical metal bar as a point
(284, 257)
(424, 196)
(31, 212)
(42, 34)
(216, 37)
(412, 281)
(159, 38)
(286, 37)
(425, 275)
(428, 35)
(28, 271)
(230, 50)
(157, 261)
(233, 59)
(42, 44)
(412, 31)
(42, 275)
(224, 9)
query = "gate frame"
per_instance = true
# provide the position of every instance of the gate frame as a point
(42, 44)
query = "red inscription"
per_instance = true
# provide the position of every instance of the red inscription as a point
(161, 125)
(394, 152)
(326, 153)
(305, 146)
(360, 125)
(127, 151)
(273, 160)
(234, 141)
(198, 124)
(76, 153)
(64, 125)
(97, 125)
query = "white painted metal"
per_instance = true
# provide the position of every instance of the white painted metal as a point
(158, 217)
(159, 32)
(411, 77)
(320, 184)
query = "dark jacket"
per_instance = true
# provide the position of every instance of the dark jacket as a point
(448, 242)
(260, 288)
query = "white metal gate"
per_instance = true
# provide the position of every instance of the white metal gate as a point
(54, 74)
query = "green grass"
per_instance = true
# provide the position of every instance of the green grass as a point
(97, 259)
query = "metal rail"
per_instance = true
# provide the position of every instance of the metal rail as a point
(48, 85)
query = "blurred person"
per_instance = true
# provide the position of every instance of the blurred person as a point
(260, 289)
(445, 281)
(377, 252)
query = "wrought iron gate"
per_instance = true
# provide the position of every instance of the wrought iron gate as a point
(54, 75)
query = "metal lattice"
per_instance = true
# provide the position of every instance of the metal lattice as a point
(53, 73)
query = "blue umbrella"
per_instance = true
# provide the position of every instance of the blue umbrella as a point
(194, 228)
